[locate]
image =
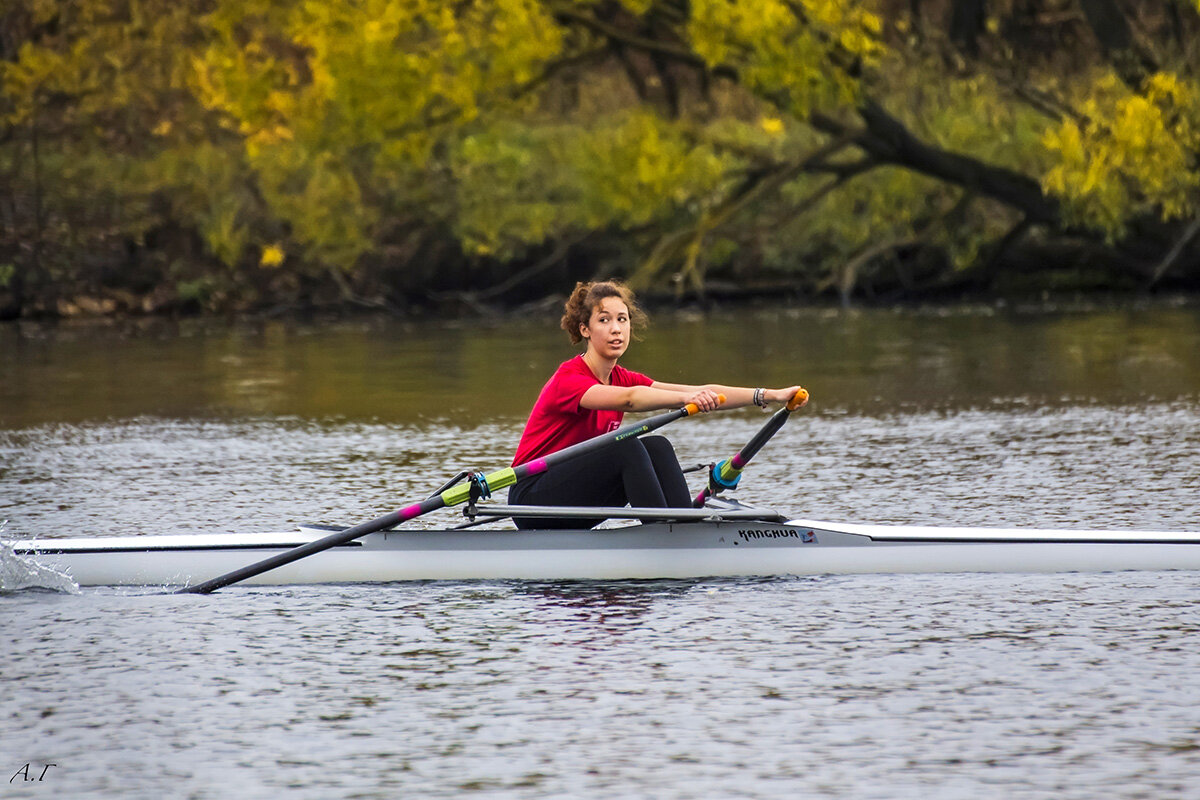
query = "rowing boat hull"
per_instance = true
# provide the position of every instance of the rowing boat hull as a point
(651, 551)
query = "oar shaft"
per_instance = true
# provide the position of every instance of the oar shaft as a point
(459, 493)
(297, 553)
(725, 475)
(772, 426)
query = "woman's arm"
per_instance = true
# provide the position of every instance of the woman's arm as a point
(735, 396)
(647, 398)
(660, 395)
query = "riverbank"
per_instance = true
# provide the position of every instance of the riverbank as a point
(116, 306)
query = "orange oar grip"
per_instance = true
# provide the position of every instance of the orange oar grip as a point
(692, 408)
(798, 399)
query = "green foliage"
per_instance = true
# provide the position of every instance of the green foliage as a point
(796, 53)
(286, 136)
(207, 187)
(313, 128)
(969, 113)
(338, 101)
(1132, 153)
(512, 187)
(519, 185)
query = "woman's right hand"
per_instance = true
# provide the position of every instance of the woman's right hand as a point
(705, 400)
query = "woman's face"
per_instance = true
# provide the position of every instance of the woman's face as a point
(608, 329)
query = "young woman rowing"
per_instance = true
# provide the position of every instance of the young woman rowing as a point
(589, 395)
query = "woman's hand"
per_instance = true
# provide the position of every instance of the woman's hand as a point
(782, 396)
(705, 400)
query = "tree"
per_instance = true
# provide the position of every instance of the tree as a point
(385, 148)
(93, 93)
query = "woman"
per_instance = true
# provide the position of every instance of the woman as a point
(589, 395)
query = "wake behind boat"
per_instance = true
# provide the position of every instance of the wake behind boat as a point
(723, 539)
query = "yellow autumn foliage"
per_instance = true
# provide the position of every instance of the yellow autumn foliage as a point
(272, 256)
(1131, 153)
(299, 135)
(519, 185)
(794, 50)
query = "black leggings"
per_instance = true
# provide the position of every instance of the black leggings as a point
(642, 472)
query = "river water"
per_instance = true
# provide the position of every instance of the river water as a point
(933, 686)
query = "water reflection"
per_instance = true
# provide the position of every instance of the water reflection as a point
(867, 361)
(609, 606)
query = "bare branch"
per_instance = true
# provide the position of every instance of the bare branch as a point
(887, 139)
(1177, 250)
(757, 184)
(665, 49)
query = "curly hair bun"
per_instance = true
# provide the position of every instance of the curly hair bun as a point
(586, 296)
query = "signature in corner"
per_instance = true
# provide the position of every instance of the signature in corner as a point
(30, 773)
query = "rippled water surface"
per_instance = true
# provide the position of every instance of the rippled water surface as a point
(939, 686)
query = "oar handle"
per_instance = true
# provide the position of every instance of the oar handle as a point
(692, 409)
(800, 398)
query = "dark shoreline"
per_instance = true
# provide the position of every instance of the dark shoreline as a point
(656, 304)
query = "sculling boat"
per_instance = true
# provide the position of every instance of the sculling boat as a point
(717, 538)
(724, 538)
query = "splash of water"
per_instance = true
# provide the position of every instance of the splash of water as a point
(18, 573)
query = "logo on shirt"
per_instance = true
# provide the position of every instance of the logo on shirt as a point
(613, 425)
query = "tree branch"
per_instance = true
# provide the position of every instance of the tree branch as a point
(558, 254)
(757, 184)
(618, 35)
(887, 139)
(1177, 250)
(615, 34)
(1113, 32)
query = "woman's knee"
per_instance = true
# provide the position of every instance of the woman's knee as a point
(658, 446)
(632, 453)
(661, 453)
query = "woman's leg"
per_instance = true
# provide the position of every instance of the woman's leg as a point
(620, 474)
(666, 468)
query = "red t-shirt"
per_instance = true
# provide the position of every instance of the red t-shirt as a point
(558, 421)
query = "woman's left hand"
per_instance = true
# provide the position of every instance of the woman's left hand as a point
(783, 396)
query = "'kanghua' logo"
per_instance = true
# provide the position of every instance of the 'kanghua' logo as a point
(748, 534)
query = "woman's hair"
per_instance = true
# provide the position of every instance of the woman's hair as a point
(585, 298)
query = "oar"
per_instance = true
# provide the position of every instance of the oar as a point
(482, 485)
(726, 474)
